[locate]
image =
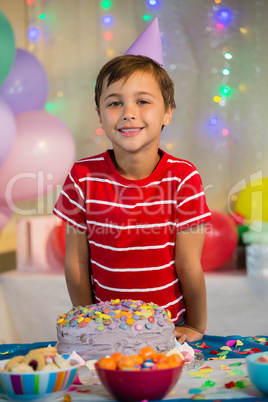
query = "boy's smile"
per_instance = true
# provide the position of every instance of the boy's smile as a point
(132, 113)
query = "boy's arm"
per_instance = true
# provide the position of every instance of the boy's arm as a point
(77, 267)
(188, 249)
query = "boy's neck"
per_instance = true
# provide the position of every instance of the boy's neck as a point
(135, 166)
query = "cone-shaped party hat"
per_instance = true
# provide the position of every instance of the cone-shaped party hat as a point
(149, 43)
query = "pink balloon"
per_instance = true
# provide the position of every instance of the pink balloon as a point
(7, 130)
(5, 215)
(40, 159)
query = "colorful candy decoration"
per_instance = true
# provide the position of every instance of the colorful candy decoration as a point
(220, 241)
(120, 314)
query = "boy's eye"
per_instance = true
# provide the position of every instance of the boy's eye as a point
(116, 103)
(142, 102)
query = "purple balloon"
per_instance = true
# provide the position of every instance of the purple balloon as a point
(26, 86)
(7, 130)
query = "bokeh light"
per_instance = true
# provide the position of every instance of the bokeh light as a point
(146, 17)
(217, 99)
(49, 106)
(225, 71)
(99, 131)
(106, 4)
(108, 35)
(225, 131)
(33, 33)
(241, 87)
(107, 20)
(152, 3)
(110, 52)
(224, 16)
(225, 90)
(214, 120)
(228, 56)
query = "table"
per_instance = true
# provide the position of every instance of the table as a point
(30, 303)
(206, 381)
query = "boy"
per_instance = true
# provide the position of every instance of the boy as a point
(139, 211)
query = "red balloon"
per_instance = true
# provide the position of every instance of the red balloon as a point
(220, 241)
(58, 237)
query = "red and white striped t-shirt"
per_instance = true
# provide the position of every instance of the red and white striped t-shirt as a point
(132, 224)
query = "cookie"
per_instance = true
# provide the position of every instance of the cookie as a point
(50, 367)
(50, 351)
(35, 360)
(21, 368)
(61, 362)
(11, 362)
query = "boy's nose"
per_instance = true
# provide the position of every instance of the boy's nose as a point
(129, 117)
(129, 113)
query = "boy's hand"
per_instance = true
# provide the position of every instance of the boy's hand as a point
(185, 333)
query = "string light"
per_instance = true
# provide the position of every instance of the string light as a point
(107, 20)
(146, 17)
(99, 131)
(33, 33)
(217, 99)
(110, 52)
(106, 4)
(228, 56)
(224, 16)
(152, 3)
(213, 120)
(42, 16)
(108, 35)
(225, 90)
(225, 131)
(241, 87)
(243, 30)
(225, 71)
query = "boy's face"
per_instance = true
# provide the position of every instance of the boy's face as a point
(132, 113)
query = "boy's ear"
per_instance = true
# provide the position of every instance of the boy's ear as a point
(168, 116)
(97, 110)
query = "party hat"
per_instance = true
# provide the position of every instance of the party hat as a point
(149, 43)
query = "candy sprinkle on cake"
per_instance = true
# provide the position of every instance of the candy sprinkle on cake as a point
(123, 326)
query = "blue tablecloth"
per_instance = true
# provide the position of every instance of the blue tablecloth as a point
(212, 347)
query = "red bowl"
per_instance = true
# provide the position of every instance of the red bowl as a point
(131, 386)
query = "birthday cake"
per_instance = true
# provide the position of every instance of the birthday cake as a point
(123, 326)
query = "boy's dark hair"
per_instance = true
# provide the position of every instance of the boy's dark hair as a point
(124, 66)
